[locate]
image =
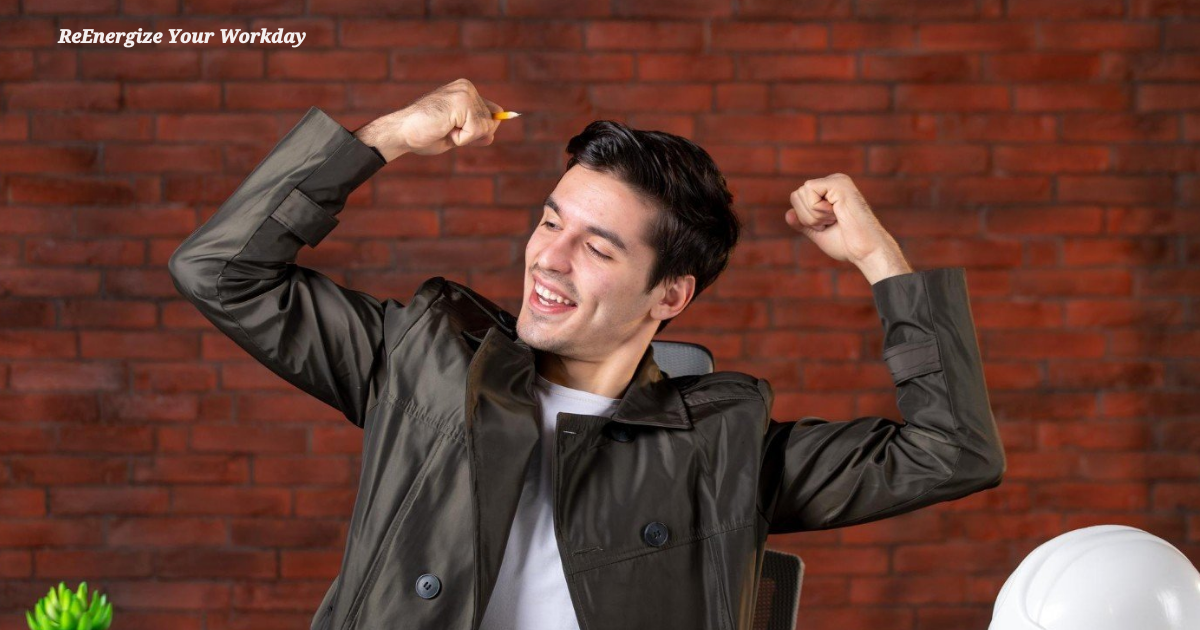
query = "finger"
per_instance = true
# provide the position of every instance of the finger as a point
(820, 207)
(792, 218)
(485, 115)
(808, 205)
(481, 142)
(808, 218)
(801, 202)
(492, 107)
(808, 196)
(811, 201)
(823, 212)
(819, 186)
(474, 128)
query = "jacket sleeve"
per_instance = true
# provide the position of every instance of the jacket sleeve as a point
(818, 474)
(239, 270)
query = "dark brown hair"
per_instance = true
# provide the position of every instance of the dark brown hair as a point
(696, 229)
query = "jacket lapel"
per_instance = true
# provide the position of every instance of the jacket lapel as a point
(502, 432)
(651, 399)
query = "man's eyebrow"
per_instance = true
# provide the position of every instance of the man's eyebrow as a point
(598, 231)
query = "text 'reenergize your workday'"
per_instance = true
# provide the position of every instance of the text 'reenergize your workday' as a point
(129, 39)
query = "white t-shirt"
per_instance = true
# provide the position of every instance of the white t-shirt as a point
(531, 590)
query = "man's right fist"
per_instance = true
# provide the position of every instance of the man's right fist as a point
(453, 115)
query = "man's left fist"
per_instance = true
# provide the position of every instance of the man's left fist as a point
(832, 213)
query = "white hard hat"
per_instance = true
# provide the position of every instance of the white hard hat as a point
(1106, 577)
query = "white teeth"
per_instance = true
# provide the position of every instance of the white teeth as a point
(550, 295)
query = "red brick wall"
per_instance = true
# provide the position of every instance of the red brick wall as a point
(1049, 146)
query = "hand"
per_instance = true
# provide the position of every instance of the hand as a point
(832, 213)
(453, 115)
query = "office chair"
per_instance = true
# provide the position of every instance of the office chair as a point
(782, 573)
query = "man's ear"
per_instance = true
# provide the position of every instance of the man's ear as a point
(677, 294)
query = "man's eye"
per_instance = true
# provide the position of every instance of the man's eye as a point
(594, 250)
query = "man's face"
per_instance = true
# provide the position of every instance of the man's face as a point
(590, 248)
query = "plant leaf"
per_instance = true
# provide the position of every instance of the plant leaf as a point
(43, 621)
(46, 612)
(76, 609)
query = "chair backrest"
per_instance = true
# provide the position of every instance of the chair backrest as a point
(778, 591)
(782, 573)
(679, 358)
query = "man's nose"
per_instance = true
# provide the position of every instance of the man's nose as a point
(556, 256)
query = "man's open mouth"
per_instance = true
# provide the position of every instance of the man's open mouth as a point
(546, 301)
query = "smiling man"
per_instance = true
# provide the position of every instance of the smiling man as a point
(539, 470)
(592, 301)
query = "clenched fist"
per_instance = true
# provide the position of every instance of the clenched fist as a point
(832, 213)
(453, 115)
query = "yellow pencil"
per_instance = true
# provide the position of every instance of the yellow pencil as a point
(504, 115)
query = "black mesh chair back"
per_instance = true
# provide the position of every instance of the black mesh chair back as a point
(782, 573)
(678, 358)
(778, 591)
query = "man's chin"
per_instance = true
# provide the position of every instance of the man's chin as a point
(537, 336)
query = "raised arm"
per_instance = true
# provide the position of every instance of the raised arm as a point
(818, 474)
(239, 269)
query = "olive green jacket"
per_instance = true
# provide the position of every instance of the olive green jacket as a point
(661, 512)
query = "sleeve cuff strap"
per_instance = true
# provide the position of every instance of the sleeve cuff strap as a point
(912, 359)
(304, 218)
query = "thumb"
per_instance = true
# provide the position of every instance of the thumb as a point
(791, 218)
(473, 129)
(794, 221)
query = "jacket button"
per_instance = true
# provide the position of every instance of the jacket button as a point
(619, 432)
(428, 586)
(655, 534)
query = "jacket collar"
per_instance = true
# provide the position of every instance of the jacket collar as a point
(650, 400)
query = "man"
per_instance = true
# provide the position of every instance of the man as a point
(539, 471)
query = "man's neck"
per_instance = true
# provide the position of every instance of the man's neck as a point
(609, 377)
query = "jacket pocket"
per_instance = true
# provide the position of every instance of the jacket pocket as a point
(671, 588)
(384, 550)
(724, 609)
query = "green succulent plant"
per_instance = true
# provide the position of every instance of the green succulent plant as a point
(64, 609)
